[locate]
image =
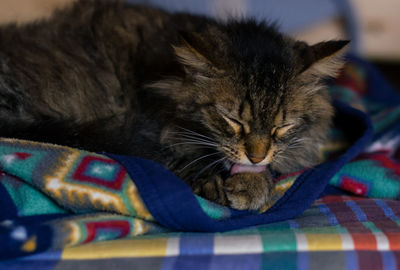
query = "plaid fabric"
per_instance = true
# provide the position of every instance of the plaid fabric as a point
(337, 232)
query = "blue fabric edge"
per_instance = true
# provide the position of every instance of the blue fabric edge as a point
(11, 211)
(173, 204)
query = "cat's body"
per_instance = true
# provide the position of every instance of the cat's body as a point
(204, 99)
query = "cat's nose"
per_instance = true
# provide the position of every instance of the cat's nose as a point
(256, 149)
(255, 158)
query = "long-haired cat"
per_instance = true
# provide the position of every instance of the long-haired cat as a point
(222, 105)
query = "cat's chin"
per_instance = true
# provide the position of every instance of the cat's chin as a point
(242, 168)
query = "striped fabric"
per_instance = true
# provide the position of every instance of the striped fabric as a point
(337, 232)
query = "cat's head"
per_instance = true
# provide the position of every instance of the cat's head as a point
(257, 95)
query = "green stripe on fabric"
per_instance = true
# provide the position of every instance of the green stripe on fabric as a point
(278, 237)
(370, 225)
(213, 210)
(22, 168)
(279, 241)
(285, 225)
(279, 260)
(28, 200)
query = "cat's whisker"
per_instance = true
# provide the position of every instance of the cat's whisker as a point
(191, 143)
(208, 166)
(279, 162)
(180, 140)
(286, 157)
(199, 144)
(299, 146)
(193, 140)
(183, 137)
(290, 159)
(302, 139)
(285, 161)
(195, 133)
(192, 137)
(283, 158)
(197, 159)
(298, 143)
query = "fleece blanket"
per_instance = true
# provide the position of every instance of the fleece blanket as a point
(335, 233)
(55, 196)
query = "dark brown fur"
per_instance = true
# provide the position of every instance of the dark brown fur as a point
(193, 94)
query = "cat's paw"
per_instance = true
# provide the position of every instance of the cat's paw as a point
(247, 191)
(211, 188)
(242, 191)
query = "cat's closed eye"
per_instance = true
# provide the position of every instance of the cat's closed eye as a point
(236, 125)
(239, 127)
(280, 131)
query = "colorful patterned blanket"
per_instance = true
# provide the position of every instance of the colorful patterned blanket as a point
(54, 196)
(335, 233)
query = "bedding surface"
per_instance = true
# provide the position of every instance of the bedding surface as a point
(336, 232)
(58, 198)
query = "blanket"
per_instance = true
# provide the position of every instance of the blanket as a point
(335, 233)
(54, 196)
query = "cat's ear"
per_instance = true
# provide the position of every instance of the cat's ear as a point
(324, 59)
(192, 53)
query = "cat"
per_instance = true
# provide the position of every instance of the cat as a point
(222, 105)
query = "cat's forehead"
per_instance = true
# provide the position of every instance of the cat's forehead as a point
(258, 89)
(275, 103)
(266, 91)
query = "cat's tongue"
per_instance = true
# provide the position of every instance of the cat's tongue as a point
(240, 168)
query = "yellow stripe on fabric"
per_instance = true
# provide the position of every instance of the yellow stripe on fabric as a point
(124, 248)
(320, 241)
(137, 202)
